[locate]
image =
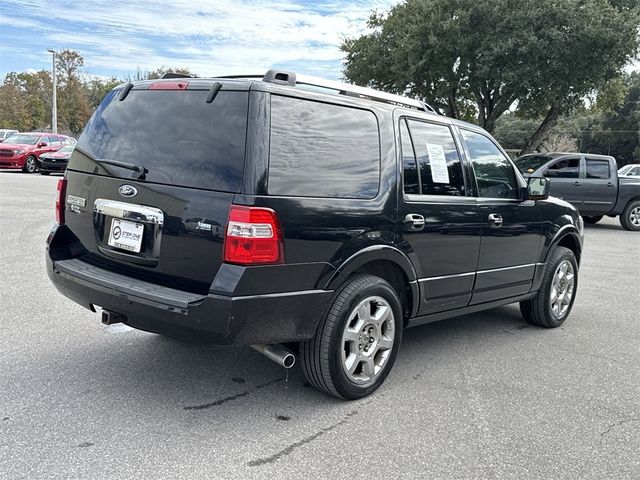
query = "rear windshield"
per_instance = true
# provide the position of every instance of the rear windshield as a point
(175, 134)
(530, 163)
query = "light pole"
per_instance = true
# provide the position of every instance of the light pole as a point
(54, 106)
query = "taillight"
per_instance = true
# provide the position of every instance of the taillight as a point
(253, 236)
(61, 191)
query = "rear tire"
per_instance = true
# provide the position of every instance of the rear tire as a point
(592, 220)
(357, 341)
(553, 302)
(630, 218)
(30, 165)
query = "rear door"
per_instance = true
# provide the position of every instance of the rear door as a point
(566, 182)
(441, 223)
(511, 229)
(193, 152)
(600, 185)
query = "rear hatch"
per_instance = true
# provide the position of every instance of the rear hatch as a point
(152, 178)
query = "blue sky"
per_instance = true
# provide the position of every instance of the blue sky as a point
(208, 36)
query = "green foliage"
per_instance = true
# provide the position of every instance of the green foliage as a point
(610, 131)
(485, 55)
(513, 131)
(158, 73)
(611, 95)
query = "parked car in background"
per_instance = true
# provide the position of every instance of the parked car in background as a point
(6, 133)
(589, 182)
(327, 221)
(21, 150)
(55, 161)
(631, 170)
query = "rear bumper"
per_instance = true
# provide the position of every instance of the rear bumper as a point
(267, 318)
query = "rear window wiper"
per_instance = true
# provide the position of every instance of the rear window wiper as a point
(142, 172)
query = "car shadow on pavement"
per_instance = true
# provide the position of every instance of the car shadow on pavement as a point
(604, 226)
(196, 377)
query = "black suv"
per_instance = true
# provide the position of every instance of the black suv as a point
(302, 217)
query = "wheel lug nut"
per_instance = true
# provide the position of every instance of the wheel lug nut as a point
(370, 339)
(360, 347)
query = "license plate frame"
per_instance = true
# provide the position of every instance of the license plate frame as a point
(126, 235)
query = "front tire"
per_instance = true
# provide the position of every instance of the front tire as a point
(30, 165)
(592, 220)
(553, 302)
(357, 341)
(630, 218)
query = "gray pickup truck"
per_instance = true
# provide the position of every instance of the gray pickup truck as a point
(590, 182)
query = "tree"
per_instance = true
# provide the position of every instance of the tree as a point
(559, 142)
(586, 45)
(486, 55)
(26, 101)
(14, 112)
(159, 72)
(97, 88)
(618, 130)
(74, 108)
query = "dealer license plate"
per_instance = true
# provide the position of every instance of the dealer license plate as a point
(126, 235)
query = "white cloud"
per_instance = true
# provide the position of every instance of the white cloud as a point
(207, 36)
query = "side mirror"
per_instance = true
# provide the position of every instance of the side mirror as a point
(538, 188)
(43, 144)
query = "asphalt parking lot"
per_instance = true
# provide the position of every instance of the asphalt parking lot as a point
(480, 396)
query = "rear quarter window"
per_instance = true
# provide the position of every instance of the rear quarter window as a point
(322, 150)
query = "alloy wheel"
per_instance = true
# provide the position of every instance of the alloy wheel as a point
(562, 288)
(367, 340)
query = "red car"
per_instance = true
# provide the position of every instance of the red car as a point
(22, 150)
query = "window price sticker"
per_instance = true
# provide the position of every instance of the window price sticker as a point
(438, 163)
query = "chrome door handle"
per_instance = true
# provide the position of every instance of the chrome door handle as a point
(495, 220)
(414, 222)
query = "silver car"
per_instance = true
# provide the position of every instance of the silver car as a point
(6, 133)
(631, 170)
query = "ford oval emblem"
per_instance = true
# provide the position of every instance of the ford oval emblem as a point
(127, 191)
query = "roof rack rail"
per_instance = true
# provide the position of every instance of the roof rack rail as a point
(283, 77)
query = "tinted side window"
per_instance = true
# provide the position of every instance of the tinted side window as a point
(597, 168)
(565, 168)
(495, 175)
(411, 181)
(438, 159)
(322, 150)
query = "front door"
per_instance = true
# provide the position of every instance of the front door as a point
(511, 229)
(441, 223)
(566, 181)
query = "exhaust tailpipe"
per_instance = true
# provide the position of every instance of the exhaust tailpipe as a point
(277, 353)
